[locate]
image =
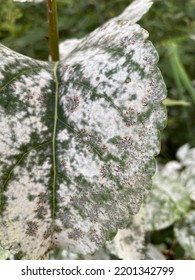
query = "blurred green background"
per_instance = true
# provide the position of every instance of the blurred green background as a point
(171, 24)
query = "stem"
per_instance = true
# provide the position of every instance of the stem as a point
(53, 29)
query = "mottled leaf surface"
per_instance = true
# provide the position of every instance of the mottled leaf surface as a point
(186, 155)
(185, 233)
(167, 202)
(77, 141)
(133, 13)
(129, 243)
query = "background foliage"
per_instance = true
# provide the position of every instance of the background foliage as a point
(171, 24)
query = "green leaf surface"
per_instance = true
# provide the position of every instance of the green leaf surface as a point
(173, 102)
(77, 141)
(4, 254)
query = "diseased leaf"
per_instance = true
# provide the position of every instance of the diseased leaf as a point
(188, 179)
(129, 243)
(135, 10)
(77, 141)
(185, 233)
(4, 254)
(166, 203)
(152, 253)
(187, 176)
(133, 13)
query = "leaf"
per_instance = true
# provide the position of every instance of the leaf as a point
(153, 253)
(132, 13)
(67, 46)
(135, 10)
(77, 141)
(185, 233)
(187, 176)
(188, 179)
(166, 203)
(4, 254)
(128, 244)
(173, 102)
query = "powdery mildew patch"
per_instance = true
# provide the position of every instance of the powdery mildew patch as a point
(25, 161)
(78, 140)
(107, 161)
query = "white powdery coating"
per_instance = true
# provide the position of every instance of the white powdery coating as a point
(132, 13)
(67, 46)
(135, 10)
(128, 244)
(185, 233)
(107, 136)
(111, 103)
(25, 156)
(21, 211)
(173, 198)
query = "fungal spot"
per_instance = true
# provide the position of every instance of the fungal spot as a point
(126, 143)
(32, 228)
(66, 219)
(94, 237)
(43, 198)
(47, 233)
(151, 83)
(31, 197)
(66, 66)
(75, 234)
(105, 170)
(72, 103)
(145, 58)
(57, 229)
(130, 117)
(104, 148)
(41, 212)
(63, 165)
(128, 80)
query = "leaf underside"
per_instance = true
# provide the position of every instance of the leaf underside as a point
(77, 141)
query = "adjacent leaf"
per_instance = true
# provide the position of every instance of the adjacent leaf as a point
(185, 233)
(4, 254)
(186, 155)
(77, 141)
(171, 170)
(152, 253)
(173, 102)
(166, 203)
(187, 176)
(129, 243)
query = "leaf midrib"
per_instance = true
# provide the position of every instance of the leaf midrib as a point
(54, 140)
